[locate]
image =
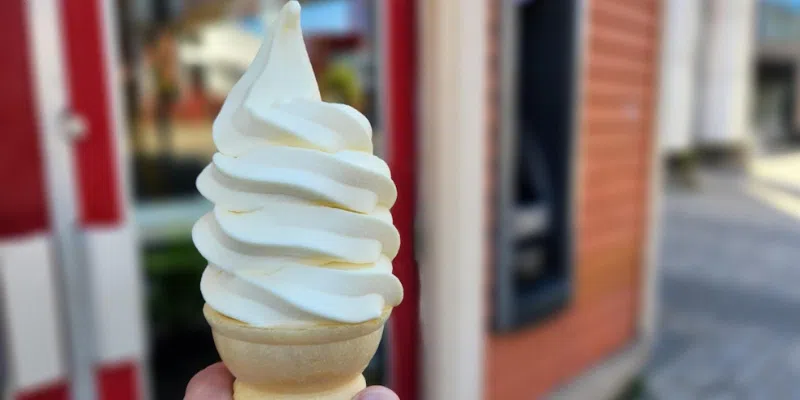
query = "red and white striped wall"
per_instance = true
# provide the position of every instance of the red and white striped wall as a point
(70, 285)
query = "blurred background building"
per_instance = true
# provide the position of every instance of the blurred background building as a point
(730, 78)
(777, 113)
(526, 138)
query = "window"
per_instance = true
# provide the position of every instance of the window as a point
(533, 235)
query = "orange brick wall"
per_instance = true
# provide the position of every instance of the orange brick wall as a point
(616, 132)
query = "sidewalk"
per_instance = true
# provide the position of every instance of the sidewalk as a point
(780, 172)
(730, 273)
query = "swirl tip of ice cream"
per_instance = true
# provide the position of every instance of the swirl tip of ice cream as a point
(301, 231)
(292, 8)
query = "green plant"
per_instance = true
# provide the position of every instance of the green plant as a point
(173, 271)
(340, 83)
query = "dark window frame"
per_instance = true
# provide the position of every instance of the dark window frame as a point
(547, 213)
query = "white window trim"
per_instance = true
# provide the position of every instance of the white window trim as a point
(453, 171)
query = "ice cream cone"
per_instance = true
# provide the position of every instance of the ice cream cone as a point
(300, 242)
(320, 362)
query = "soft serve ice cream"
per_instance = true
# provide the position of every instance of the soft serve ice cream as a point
(301, 231)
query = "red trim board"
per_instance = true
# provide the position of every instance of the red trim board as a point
(401, 115)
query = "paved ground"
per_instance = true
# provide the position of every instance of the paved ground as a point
(780, 171)
(730, 318)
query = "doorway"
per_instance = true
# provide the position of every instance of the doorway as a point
(775, 105)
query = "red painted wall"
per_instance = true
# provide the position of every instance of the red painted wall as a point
(86, 57)
(621, 71)
(401, 64)
(96, 155)
(119, 381)
(58, 391)
(114, 382)
(23, 205)
(23, 209)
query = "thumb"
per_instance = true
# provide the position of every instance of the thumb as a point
(376, 393)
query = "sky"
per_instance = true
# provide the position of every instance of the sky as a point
(324, 17)
(793, 3)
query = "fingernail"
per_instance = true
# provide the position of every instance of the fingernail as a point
(367, 396)
(376, 393)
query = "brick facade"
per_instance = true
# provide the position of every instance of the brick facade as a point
(616, 133)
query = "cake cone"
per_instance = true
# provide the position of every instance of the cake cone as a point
(319, 362)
